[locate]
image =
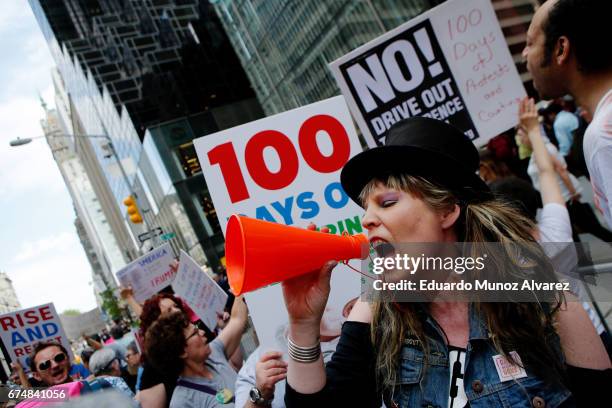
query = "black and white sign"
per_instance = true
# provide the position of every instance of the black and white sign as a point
(450, 63)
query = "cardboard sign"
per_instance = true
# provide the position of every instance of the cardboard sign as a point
(149, 274)
(88, 323)
(201, 293)
(286, 169)
(21, 330)
(450, 63)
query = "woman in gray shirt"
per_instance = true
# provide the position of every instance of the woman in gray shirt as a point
(206, 378)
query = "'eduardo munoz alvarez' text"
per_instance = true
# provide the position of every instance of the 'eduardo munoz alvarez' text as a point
(431, 285)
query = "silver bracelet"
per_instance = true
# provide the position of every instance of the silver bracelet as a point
(303, 354)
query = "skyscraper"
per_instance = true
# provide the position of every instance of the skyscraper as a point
(161, 59)
(286, 45)
(8, 297)
(127, 65)
(99, 280)
(96, 236)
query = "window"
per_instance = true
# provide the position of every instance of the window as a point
(210, 214)
(188, 158)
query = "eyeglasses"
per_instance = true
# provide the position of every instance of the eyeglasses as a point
(45, 365)
(196, 332)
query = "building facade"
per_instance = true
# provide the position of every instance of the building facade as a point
(160, 59)
(96, 235)
(8, 303)
(285, 46)
(85, 147)
(170, 168)
(99, 280)
(133, 64)
(8, 297)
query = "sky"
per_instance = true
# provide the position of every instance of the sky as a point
(39, 247)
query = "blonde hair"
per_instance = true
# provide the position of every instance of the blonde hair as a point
(523, 327)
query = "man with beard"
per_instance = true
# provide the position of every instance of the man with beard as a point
(563, 58)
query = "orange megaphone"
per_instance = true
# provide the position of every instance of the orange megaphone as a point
(259, 253)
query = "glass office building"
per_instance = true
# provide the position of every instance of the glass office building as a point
(132, 64)
(285, 45)
(177, 191)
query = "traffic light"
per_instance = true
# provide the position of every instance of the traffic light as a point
(132, 210)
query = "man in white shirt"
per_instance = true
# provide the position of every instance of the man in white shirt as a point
(564, 57)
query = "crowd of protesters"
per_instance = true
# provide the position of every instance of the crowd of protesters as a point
(526, 186)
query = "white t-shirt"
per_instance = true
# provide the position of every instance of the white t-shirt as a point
(597, 145)
(556, 239)
(223, 381)
(534, 173)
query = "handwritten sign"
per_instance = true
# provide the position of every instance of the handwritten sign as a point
(150, 273)
(89, 323)
(450, 63)
(21, 330)
(201, 293)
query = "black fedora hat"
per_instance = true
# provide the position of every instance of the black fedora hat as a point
(423, 147)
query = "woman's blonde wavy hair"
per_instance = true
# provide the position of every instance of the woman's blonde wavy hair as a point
(523, 327)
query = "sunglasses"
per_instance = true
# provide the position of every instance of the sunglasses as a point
(45, 365)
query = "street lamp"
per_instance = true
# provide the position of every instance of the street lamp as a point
(20, 142)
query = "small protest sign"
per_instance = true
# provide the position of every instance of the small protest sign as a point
(150, 273)
(88, 323)
(201, 293)
(450, 63)
(21, 330)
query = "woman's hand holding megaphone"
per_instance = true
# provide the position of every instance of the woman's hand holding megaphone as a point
(305, 298)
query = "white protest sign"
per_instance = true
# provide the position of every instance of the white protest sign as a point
(201, 293)
(150, 273)
(88, 323)
(450, 63)
(286, 169)
(21, 330)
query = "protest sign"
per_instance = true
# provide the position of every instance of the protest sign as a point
(88, 323)
(450, 63)
(22, 329)
(201, 293)
(286, 169)
(150, 273)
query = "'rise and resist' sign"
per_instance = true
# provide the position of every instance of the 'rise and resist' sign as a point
(21, 330)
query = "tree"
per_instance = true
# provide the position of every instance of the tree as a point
(71, 312)
(110, 304)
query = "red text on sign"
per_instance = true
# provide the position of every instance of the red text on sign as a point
(225, 156)
(26, 318)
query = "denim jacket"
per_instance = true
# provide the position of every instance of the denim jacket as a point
(420, 386)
